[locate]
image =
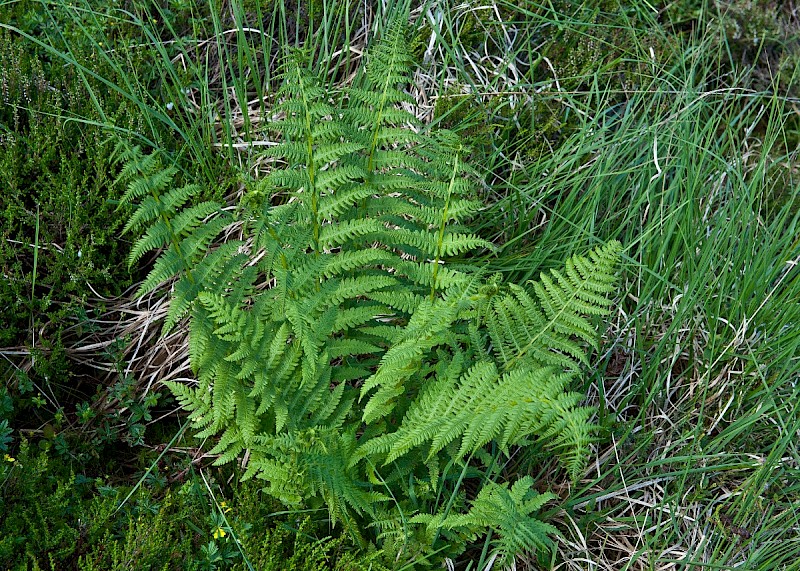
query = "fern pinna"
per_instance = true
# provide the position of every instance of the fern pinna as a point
(343, 343)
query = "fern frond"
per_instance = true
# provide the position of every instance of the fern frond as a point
(334, 335)
(546, 329)
(507, 513)
(427, 329)
(485, 405)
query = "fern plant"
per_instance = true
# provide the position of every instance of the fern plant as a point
(343, 344)
(506, 513)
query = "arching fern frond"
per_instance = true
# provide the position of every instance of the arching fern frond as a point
(430, 326)
(483, 406)
(547, 327)
(525, 395)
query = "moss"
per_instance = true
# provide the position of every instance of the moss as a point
(760, 36)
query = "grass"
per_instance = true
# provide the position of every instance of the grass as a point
(704, 349)
(701, 361)
(589, 123)
(33, 276)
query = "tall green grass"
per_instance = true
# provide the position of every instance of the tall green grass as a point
(695, 173)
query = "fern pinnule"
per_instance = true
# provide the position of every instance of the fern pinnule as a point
(335, 236)
(445, 279)
(339, 203)
(148, 180)
(161, 232)
(405, 302)
(154, 203)
(186, 232)
(331, 179)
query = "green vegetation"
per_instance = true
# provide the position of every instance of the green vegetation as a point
(352, 254)
(368, 373)
(56, 520)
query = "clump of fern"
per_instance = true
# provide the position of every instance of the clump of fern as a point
(345, 346)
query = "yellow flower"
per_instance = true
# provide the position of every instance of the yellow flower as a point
(8, 458)
(219, 532)
(224, 506)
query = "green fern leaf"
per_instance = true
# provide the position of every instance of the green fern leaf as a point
(545, 330)
(508, 514)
